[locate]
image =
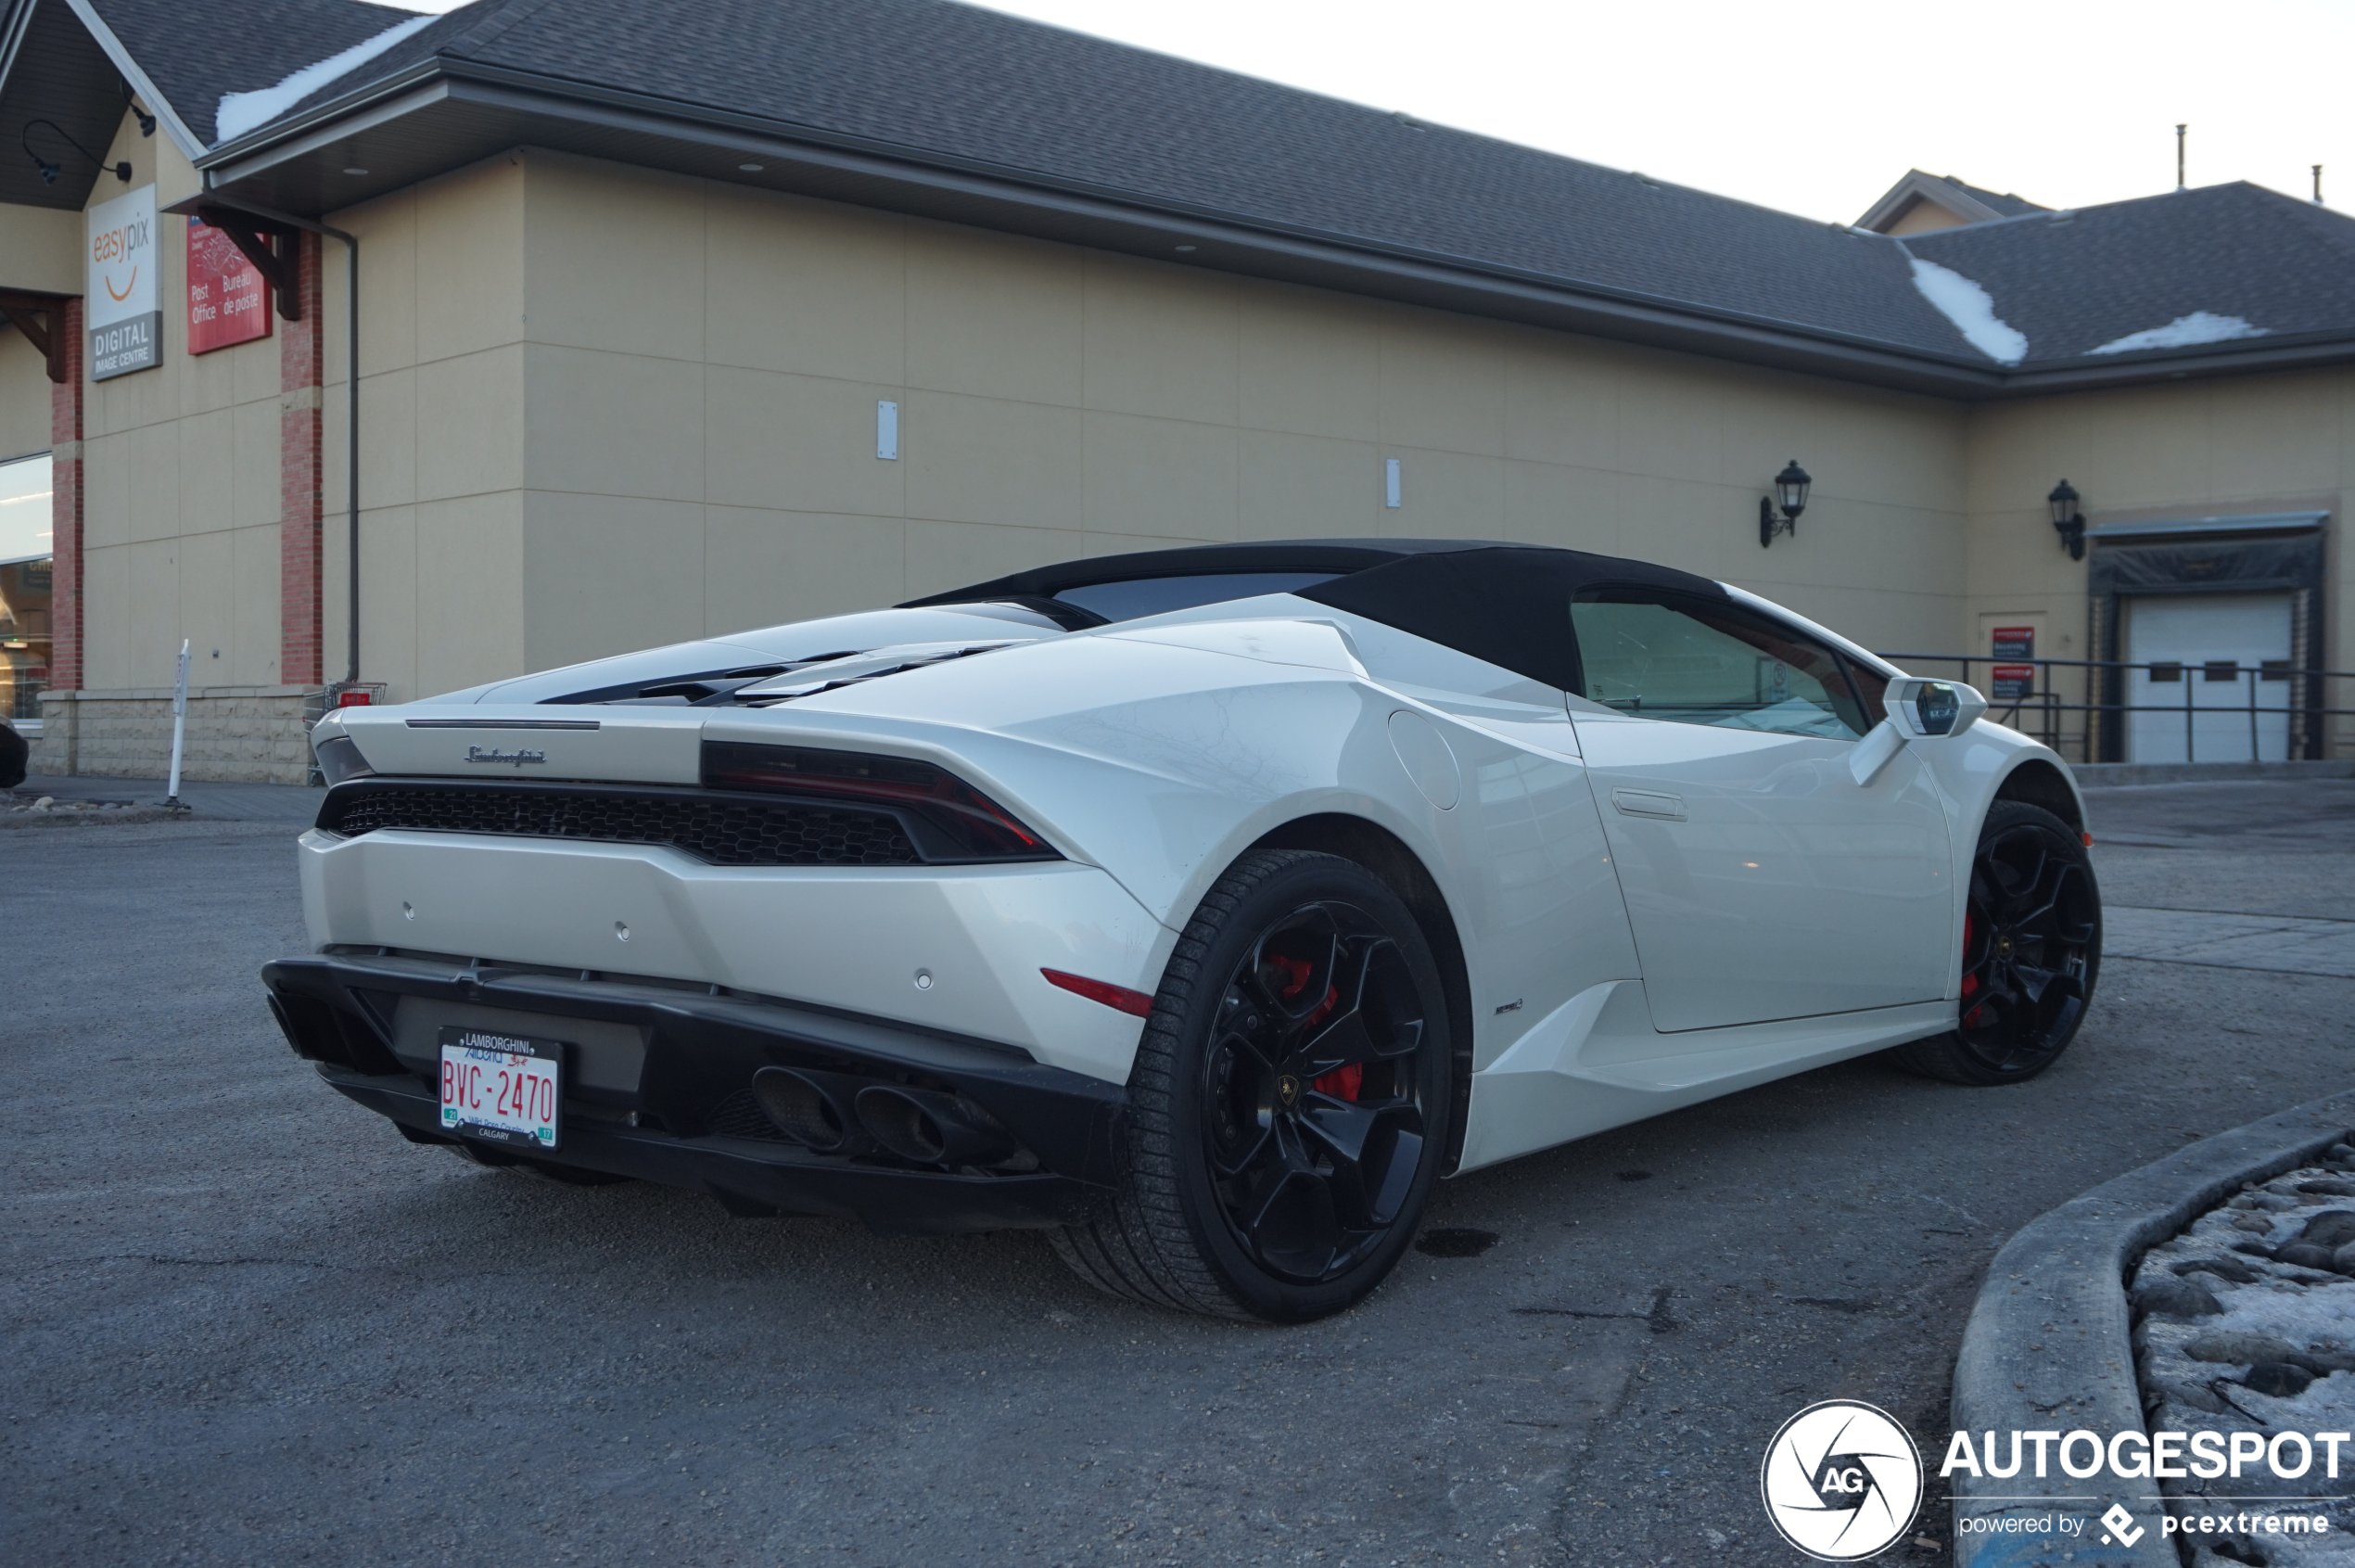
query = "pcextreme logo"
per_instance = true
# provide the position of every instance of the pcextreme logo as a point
(1841, 1481)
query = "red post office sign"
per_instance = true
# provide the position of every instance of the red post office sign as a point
(2013, 642)
(2013, 681)
(228, 302)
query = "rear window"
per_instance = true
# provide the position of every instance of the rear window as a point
(1159, 595)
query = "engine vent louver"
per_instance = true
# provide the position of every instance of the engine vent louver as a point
(721, 830)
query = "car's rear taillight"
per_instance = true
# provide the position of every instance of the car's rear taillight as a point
(339, 760)
(947, 818)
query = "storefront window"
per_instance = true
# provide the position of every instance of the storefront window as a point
(25, 577)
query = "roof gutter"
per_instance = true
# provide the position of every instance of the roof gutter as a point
(437, 81)
(1227, 240)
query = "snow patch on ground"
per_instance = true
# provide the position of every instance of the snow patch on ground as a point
(2315, 1311)
(2200, 326)
(240, 112)
(1972, 311)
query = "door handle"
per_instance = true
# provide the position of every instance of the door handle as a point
(1643, 803)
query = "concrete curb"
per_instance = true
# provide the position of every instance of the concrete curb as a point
(2114, 775)
(2047, 1343)
(37, 821)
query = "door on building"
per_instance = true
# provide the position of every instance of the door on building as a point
(1762, 881)
(2218, 686)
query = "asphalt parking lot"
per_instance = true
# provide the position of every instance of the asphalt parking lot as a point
(246, 1322)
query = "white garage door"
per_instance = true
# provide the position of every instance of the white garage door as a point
(2212, 657)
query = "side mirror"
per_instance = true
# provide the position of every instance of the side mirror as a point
(1932, 709)
(1918, 710)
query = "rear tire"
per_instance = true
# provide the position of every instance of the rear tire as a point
(1288, 1106)
(2032, 951)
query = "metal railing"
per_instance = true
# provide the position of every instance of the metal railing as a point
(2103, 717)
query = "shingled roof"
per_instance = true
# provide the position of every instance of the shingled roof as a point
(2088, 283)
(198, 55)
(74, 63)
(958, 112)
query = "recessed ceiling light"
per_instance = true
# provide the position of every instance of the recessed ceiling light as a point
(355, 170)
(752, 168)
(1184, 248)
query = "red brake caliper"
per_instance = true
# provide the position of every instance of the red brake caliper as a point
(1341, 1082)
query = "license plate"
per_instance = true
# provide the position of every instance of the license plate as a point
(502, 1087)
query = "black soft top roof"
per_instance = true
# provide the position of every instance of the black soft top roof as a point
(1507, 604)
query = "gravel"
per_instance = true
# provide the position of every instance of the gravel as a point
(2277, 1354)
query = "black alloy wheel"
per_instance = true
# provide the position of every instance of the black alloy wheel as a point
(1288, 1104)
(1315, 1125)
(2032, 951)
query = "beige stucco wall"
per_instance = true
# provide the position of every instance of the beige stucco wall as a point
(179, 521)
(24, 396)
(606, 408)
(2240, 445)
(41, 247)
(1925, 217)
(39, 250)
(441, 362)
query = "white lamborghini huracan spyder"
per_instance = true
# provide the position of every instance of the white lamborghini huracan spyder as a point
(1201, 907)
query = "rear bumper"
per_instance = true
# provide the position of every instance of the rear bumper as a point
(677, 1108)
(841, 939)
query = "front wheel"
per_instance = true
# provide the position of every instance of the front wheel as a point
(1289, 1102)
(2031, 951)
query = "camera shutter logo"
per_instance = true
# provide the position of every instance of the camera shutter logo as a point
(1841, 1481)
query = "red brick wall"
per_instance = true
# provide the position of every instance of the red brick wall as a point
(65, 437)
(301, 364)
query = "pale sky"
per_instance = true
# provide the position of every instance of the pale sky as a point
(1816, 107)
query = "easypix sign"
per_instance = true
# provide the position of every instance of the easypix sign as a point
(126, 326)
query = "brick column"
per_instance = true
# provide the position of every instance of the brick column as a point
(300, 366)
(65, 504)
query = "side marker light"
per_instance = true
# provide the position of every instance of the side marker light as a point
(1120, 999)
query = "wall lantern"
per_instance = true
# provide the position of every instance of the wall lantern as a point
(1790, 497)
(49, 172)
(2068, 520)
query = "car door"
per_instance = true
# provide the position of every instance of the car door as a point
(1762, 881)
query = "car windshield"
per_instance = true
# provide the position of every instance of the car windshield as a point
(1158, 595)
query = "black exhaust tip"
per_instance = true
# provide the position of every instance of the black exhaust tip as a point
(813, 1108)
(932, 1128)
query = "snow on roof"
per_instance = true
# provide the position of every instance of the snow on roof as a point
(240, 112)
(2200, 326)
(1971, 310)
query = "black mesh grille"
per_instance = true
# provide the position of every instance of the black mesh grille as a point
(731, 832)
(740, 1116)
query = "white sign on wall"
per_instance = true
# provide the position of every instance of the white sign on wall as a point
(126, 326)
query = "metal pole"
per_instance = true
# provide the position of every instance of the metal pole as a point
(179, 725)
(2189, 753)
(2254, 755)
(351, 450)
